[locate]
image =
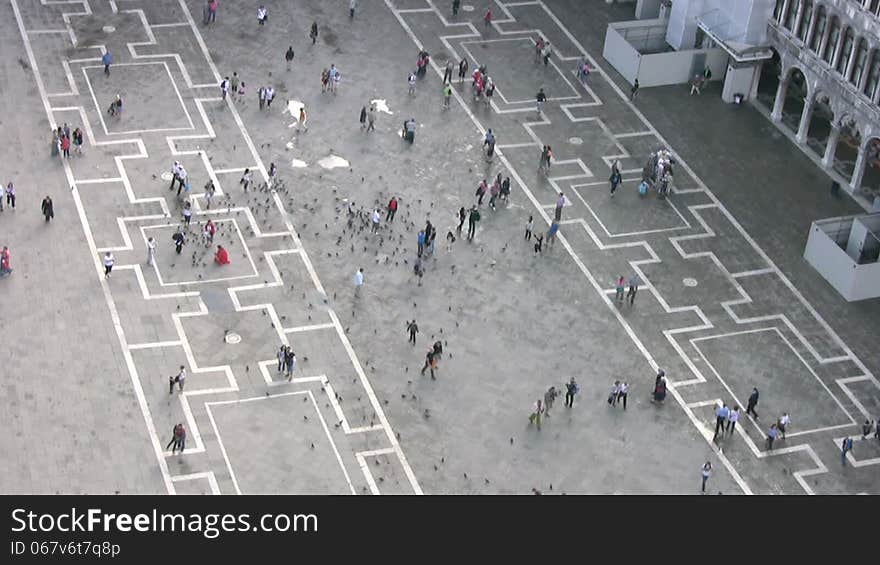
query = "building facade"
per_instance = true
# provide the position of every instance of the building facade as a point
(823, 85)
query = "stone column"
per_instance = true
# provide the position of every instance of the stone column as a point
(796, 25)
(831, 148)
(812, 29)
(784, 13)
(856, 181)
(776, 114)
(806, 118)
(851, 64)
(823, 44)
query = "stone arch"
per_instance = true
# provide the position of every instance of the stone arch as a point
(797, 93)
(821, 117)
(768, 82)
(849, 142)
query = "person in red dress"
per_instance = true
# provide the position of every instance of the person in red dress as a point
(222, 256)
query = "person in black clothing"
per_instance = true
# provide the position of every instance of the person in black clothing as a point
(462, 70)
(461, 216)
(571, 388)
(438, 349)
(456, 4)
(430, 363)
(314, 32)
(473, 218)
(179, 240)
(289, 56)
(753, 401)
(48, 209)
(413, 329)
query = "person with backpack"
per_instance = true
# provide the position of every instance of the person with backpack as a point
(473, 218)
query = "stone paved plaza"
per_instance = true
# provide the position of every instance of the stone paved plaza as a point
(728, 303)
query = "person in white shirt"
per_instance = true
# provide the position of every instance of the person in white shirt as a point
(732, 419)
(151, 251)
(109, 260)
(224, 87)
(412, 83)
(181, 176)
(622, 390)
(358, 281)
(270, 95)
(706, 471)
(376, 219)
(180, 379)
(2, 196)
(262, 14)
(784, 420)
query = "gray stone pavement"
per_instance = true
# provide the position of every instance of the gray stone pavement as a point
(512, 323)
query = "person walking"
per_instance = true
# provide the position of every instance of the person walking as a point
(529, 227)
(5, 262)
(262, 15)
(721, 414)
(462, 70)
(352, 6)
(371, 118)
(447, 95)
(180, 379)
(363, 118)
(473, 218)
(551, 233)
(772, 434)
(753, 402)
(282, 356)
(412, 328)
(620, 289)
(634, 282)
(549, 399)
(430, 363)
(47, 208)
(313, 32)
(571, 389)
(377, 218)
(732, 419)
(107, 60)
(175, 431)
(845, 447)
(782, 423)
(462, 214)
(622, 392)
(288, 57)
(179, 239)
(537, 410)
(108, 260)
(560, 202)
(540, 100)
(10, 195)
(358, 282)
(151, 251)
(290, 363)
(224, 88)
(489, 144)
(181, 438)
(706, 472)
(866, 428)
(447, 71)
(481, 192)
(546, 52)
(420, 242)
(634, 90)
(615, 180)
(2, 196)
(487, 18)
(392, 209)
